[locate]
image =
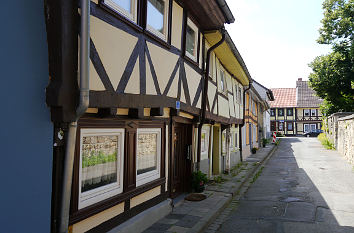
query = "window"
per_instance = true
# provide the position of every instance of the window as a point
(222, 80)
(273, 126)
(235, 139)
(306, 128)
(101, 165)
(289, 111)
(240, 95)
(306, 112)
(272, 112)
(205, 141)
(290, 126)
(210, 60)
(313, 127)
(148, 154)
(313, 112)
(281, 126)
(223, 142)
(127, 8)
(280, 112)
(157, 17)
(191, 40)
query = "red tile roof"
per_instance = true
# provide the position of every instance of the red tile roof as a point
(284, 97)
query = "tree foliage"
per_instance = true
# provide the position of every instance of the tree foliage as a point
(333, 74)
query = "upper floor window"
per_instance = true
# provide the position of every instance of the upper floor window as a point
(222, 80)
(191, 40)
(128, 8)
(280, 112)
(313, 112)
(306, 112)
(272, 112)
(289, 112)
(240, 95)
(211, 65)
(157, 20)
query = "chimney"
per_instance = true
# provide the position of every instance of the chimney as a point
(299, 79)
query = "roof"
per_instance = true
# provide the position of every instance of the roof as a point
(284, 97)
(306, 96)
(210, 14)
(229, 56)
(266, 91)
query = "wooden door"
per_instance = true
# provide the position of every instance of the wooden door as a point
(181, 159)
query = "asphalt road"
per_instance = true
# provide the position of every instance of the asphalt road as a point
(303, 188)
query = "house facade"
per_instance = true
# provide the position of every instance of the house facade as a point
(166, 89)
(295, 110)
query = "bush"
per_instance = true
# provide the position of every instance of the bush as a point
(199, 179)
(325, 142)
(264, 142)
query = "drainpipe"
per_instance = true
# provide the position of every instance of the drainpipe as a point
(205, 93)
(81, 109)
(243, 121)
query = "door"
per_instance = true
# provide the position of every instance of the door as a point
(181, 160)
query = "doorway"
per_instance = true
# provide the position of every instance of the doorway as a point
(181, 159)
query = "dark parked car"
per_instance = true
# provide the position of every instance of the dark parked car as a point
(314, 133)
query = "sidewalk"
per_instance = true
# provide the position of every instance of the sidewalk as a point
(194, 217)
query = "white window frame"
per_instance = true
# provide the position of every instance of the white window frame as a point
(315, 127)
(307, 111)
(132, 16)
(154, 174)
(196, 31)
(99, 194)
(313, 111)
(163, 35)
(223, 86)
(309, 128)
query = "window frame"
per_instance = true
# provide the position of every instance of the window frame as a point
(291, 110)
(191, 24)
(149, 28)
(313, 111)
(272, 112)
(154, 174)
(102, 193)
(223, 87)
(120, 10)
(289, 124)
(281, 109)
(282, 124)
(307, 111)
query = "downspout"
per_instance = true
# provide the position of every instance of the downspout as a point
(243, 121)
(81, 109)
(204, 94)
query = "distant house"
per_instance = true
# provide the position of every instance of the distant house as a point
(295, 110)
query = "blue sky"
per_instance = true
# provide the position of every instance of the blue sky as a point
(277, 38)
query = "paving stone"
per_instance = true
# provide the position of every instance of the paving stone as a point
(178, 229)
(168, 221)
(175, 216)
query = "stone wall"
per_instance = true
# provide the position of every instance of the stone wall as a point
(346, 137)
(340, 131)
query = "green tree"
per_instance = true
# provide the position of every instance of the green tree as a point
(333, 74)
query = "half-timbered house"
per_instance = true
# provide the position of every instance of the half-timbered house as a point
(165, 95)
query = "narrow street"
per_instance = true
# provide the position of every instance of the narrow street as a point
(302, 188)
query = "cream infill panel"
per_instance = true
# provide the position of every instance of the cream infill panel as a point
(133, 86)
(176, 29)
(95, 81)
(123, 111)
(97, 219)
(164, 62)
(113, 53)
(223, 107)
(231, 106)
(137, 200)
(211, 94)
(193, 80)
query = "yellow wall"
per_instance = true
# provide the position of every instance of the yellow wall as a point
(177, 19)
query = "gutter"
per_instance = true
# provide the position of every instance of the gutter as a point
(205, 93)
(226, 11)
(81, 109)
(243, 121)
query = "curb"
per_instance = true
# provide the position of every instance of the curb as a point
(204, 225)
